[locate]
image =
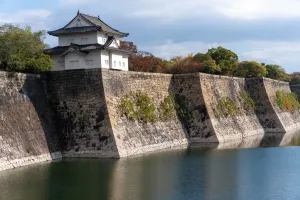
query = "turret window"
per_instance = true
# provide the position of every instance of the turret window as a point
(84, 40)
(70, 41)
(90, 62)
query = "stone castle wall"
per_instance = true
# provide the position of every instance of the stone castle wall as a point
(290, 121)
(27, 131)
(132, 137)
(76, 113)
(265, 111)
(228, 128)
(296, 89)
(78, 100)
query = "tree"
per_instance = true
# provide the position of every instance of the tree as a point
(225, 59)
(129, 46)
(201, 57)
(219, 54)
(211, 67)
(276, 72)
(179, 64)
(248, 69)
(295, 78)
(21, 50)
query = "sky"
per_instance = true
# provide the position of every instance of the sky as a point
(261, 30)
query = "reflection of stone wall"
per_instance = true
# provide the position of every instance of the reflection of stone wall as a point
(27, 132)
(77, 96)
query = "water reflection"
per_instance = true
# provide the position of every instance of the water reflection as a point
(208, 174)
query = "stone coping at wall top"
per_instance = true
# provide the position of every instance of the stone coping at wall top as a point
(277, 81)
(109, 71)
(19, 75)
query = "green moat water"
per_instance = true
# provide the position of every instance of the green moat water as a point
(206, 174)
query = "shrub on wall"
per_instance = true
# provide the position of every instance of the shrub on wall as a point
(287, 101)
(138, 106)
(248, 102)
(168, 108)
(226, 107)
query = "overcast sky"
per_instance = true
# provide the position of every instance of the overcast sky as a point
(261, 30)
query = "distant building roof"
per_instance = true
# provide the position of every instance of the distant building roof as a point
(96, 24)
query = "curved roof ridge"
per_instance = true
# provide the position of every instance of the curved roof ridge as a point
(101, 21)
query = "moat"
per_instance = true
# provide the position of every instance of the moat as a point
(197, 173)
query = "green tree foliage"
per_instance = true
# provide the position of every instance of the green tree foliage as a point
(276, 72)
(295, 78)
(225, 59)
(211, 67)
(219, 54)
(248, 69)
(201, 57)
(21, 50)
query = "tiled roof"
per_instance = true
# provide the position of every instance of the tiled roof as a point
(74, 30)
(83, 48)
(120, 50)
(96, 24)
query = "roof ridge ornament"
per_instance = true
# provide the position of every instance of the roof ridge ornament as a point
(78, 12)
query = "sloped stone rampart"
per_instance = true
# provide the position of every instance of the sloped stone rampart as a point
(244, 122)
(78, 99)
(27, 131)
(134, 137)
(75, 114)
(289, 120)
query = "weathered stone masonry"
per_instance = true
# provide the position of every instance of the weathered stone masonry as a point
(27, 132)
(76, 113)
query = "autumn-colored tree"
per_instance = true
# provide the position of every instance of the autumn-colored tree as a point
(179, 64)
(248, 69)
(129, 46)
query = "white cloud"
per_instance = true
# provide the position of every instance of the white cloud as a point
(29, 17)
(282, 53)
(172, 10)
(78, 2)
